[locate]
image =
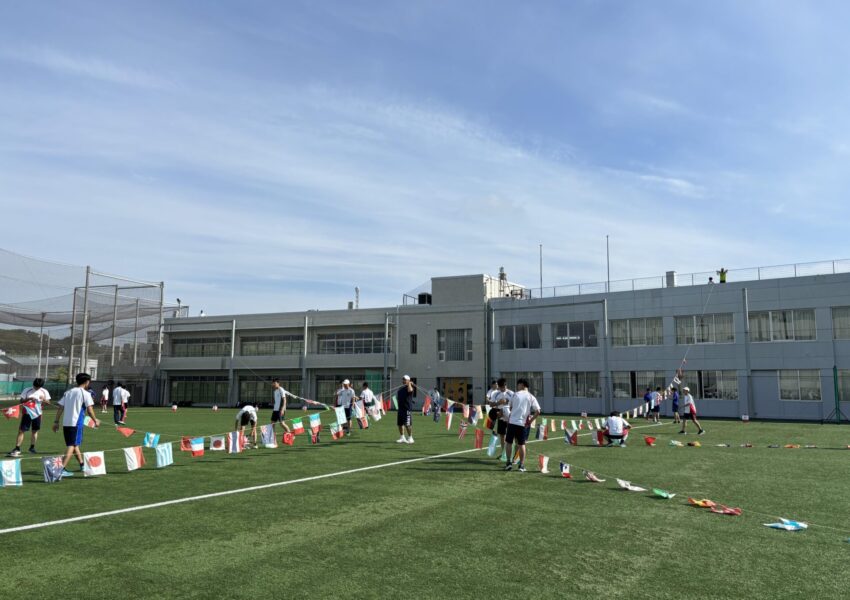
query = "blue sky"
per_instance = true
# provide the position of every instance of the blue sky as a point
(262, 156)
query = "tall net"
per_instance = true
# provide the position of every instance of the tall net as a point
(57, 320)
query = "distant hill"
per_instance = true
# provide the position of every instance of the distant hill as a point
(26, 343)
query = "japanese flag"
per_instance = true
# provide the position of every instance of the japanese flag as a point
(94, 464)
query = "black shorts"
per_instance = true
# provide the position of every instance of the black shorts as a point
(276, 416)
(675, 408)
(615, 437)
(516, 433)
(348, 413)
(246, 420)
(73, 435)
(657, 409)
(27, 422)
(501, 427)
(404, 418)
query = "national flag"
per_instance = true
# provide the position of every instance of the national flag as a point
(395, 401)
(10, 473)
(488, 423)
(267, 436)
(94, 463)
(565, 470)
(164, 455)
(650, 441)
(314, 437)
(134, 457)
(676, 380)
(598, 424)
(634, 413)
(235, 442)
(571, 437)
(426, 405)
(53, 468)
(541, 430)
(125, 431)
(376, 414)
(449, 414)
(479, 439)
(340, 415)
(89, 422)
(627, 485)
(337, 431)
(676, 443)
(699, 445)
(552, 425)
(599, 438)
(151, 440)
(589, 425)
(315, 422)
(626, 435)
(297, 426)
(722, 509)
(491, 447)
(287, 439)
(217, 443)
(593, 477)
(466, 411)
(385, 403)
(474, 415)
(543, 461)
(31, 409)
(185, 444)
(13, 412)
(446, 404)
(356, 409)
(197, 446)
(704, 503)
(462, 432)
(663, 493)
(564, 425)
(363, 423)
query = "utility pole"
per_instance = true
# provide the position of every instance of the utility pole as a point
(608, 264)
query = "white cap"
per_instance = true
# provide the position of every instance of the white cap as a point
(686, 389)
(346, 382)
(406, 377)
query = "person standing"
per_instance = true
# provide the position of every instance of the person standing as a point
(647, 398)
(690, 412)
(367, 397)
(279, 395)
(655, 402)
(722, 273)
(120, 396)
(524, 409)
(104, 395)
(674, 398)
(31, 399)
(247, 415)
(344, 398)
(500, 412)
(436, 404)
(615, 429)
(71, 412)
(404, 420)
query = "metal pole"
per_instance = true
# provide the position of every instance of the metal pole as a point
(750, 400)
(305, 383)
(114, 319)
(837, 395)
(232, 388)
(47, 358)
(161, 323)
(605, 372)
(136, 334)
(73, 328)
(385, 385)
(541, 270)
(84, 351)
(608, 264)
(40, 344)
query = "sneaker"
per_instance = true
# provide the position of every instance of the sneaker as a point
(120, 423)
(67, 473)
(348, 434)
(609, 444)
(14, 453)
(32, 450)
(701, 432)
(683, 432)
(521, 468)
(401, 440)
(622, 444)
(508, 467)
(410, 440)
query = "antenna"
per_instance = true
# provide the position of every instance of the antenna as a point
(357, 297)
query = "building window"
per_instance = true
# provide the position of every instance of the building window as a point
(799, 384)
(364, 342)
(258, 390)
(414, 343)
(844, 385)
(520, 337)
(633, 384)
(454, 344)
(841, 323)
(783, 325)
(196, 347)
(637, 332)
(578, 384)
(198, 389)
(621, 382)
(705, 329)
(576, 334)
(272, 345)
(535, 381)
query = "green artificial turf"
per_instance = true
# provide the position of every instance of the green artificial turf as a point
(453, 527)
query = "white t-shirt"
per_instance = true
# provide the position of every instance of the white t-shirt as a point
(279, 395)
(522, 404)
(74, 402)
(505, 409)
(367, 397)
(250, 411)
(616, 425)
(490, 394)
(120, 396)
(344, 397)
(37, 396)
(105, 395)
(689, 402)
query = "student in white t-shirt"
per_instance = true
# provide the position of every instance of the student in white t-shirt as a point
(120, 398)
(616, 429)
(500, 411)
(31, 401)
(344, 397)
(366, 398)
(104, 397)
(71, 411)
(279, 395)
(523, 409)
(247, 415)
(690, 411)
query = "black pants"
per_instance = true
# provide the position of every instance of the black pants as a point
(118, 413)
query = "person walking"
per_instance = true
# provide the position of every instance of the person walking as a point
(104, 395)
(279, 395)
(71, 412)
(524, 408)
(344, 398)
(404, 420)
(31, 400)
(690, 412)
(674, 400)
(120, 397)
(500, 411)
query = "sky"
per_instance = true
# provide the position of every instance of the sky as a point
(271, 156)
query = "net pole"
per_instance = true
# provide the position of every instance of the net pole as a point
(84, 350)
(161, 323)
(47, 358)
(40, 346)
(114, 319)
(73, 330)
(136, 334)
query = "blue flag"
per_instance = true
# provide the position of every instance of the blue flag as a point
(164, 455)
(151, 440)
(52, 468)
(10, 473)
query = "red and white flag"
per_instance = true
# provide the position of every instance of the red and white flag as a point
(134, 457)
(571, 437)
(197, 446)
(591, 476)
(543, 461)
(126, 431)
(590, 425)
(235, 442)
(13, 412)
(287, 439)
(426, 406)
(462, 432)
(565, 471)
(449, 420)
(599, 438)
(185, 444)
(217, 443)
(94, 464)
(479, 439)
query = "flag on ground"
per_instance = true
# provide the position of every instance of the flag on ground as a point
(650, 441)
(565, 470)
(185, 444)
(705, 503)
(197, 446)
(164, 455)
(627, 485)
(126, 431)
(571, 437)
(13, 412)
(336, 431)
(462, 433)
(491, 447)
(267, 436)
(151, 440)
(217, 443)
(287, 439)
(340, 415)
(663, 493)
(297, 426)
(235, 442)
(315, 422)
(479, 439)
(543, 461)
(53, 468)
(94, 464)
(10, 473)
(788, 525)
(591, 476)
(722, 509)
(134, 457)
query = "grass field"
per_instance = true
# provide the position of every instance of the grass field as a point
(454, 527)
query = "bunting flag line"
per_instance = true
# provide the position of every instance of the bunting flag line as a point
(701, 503)
(134, 457)
(589, 425)
(543, 462)
(474, 415)
(466, 411)
(13, 412)
(540, 429)
(565, 471)
(426, 405)
(336, 431)
(235, 442)
(564, 425)
(591, 476)
(10, 473)
(491, 447)
(125, 431)
(52, 466)
(340, 416)
(89, 422)
(552, 425)
(479, 439)
(722, 509)
(600, 438)
(571, 437)
(634, 414)
(287, 439)
(362, 423)
(185, 444)
(165, 455)
(449, 420)
(663, 493)
(31, 409)
(375, 413)
(395, 402)
(315, 422)
(788, 525)
(150, 440)
(462, 433)
(314, 437)
(196, 446)
(627, 485)
(94, 464)
(298, 426)
(267, 436)
(596, 422)
(217, 443)
(488, 423)
(357, 409)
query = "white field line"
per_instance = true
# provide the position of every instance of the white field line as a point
(254, 488)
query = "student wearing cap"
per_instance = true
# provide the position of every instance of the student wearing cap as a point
(344, 398)
(404, 420)
(690, 412)
(31, 399)
(247, 415)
